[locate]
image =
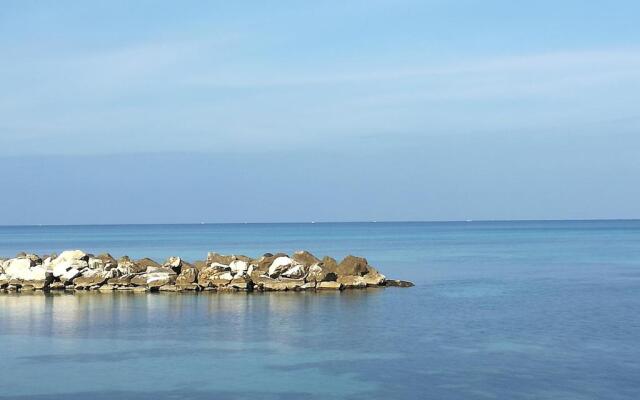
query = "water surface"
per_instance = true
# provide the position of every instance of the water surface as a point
(501, 310)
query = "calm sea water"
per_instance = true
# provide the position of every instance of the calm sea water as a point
(501, 310)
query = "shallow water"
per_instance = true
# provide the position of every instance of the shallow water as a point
(501, 310)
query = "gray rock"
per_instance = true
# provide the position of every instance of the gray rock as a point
(398, 283)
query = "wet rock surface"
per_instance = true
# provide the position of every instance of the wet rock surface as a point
(77, 270)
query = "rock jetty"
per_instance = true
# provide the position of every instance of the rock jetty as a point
(77, 270)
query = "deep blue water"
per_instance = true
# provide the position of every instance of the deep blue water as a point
(501, 310)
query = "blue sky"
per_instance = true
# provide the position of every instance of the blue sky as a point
(352, 110)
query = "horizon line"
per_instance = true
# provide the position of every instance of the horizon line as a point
(327, 222)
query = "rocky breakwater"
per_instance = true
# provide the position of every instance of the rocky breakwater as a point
(77, 270)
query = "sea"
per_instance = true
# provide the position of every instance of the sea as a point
(500, 310)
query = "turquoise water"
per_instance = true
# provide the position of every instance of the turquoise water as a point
(501, 310)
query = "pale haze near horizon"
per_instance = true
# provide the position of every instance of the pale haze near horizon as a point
(161, 112)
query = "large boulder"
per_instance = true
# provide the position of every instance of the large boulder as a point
(214, 257)
(126, 266)
(351, 265)
(305, 258)
(241, 283)
(103, 261)
(154, 279)
(70, 255)
(374, 278)
(124, 280)
(265, 283)
(24, 269)
(319, 273)
(329, 264)
(175, 263)
(69, 275)
(188, 275)
(91, 278)
(147, 264)
(260, 266)
(68, 268)
(297, 271)
(214, 276)
(352, 282)
(280, 265)
(239, 267)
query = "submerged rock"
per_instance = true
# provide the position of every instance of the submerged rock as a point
(399, 283)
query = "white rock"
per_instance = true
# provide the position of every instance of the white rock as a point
(61, 268)
(173, 262)
(20, 268)
(96, 263)
(279, 265)
(239, 267)
(297, 271)
(70, 274)
(69, 255)
(157, 276)
(224, 275)
(17, 266)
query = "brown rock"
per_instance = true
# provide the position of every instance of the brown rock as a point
(351, 265)
(319, 273)
(126, 266)
(214, 257)
(200, 265)
(145, 263)
(124, 280)
(241, 283)
(89, 280)
(213, 276)
(352, 282)
(329, 286)
(374, 278)
(188, 275)
(305, 258)
(329, 264)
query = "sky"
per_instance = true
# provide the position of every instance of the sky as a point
(254, 111)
